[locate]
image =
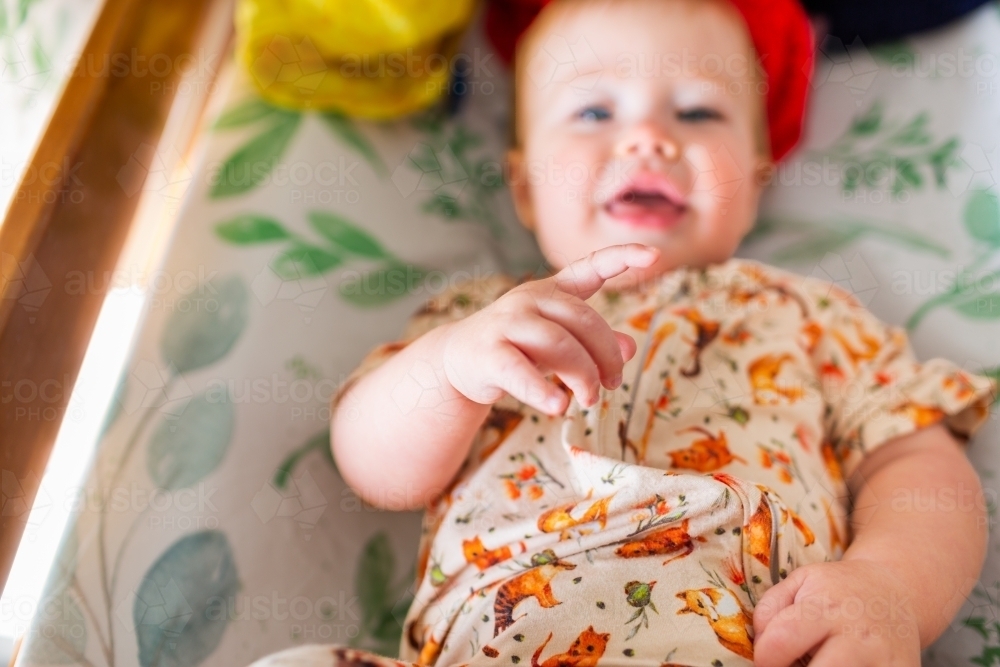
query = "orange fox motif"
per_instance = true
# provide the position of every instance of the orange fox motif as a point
(831, 462)
(705, 455)
(659, 542)
(870, 344)
(836, 541)
(643, 446)
(642, 319)
(744, 295)
(760, 527)
(585, 651)
(502, 422)
(728, 618)
(960, 384)
(429, 650)
(662, 332)
(763, 372)
(801, 525)
(738, 334)
(559, 518)
(920, 415)
(477, 554)
(660, 404)
(705, 332)
(535, 583)
(809, 335)
(757, 533)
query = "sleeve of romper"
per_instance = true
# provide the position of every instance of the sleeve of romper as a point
(455, 302)
(874, 388)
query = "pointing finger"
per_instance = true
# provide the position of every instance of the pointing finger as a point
(585, 276)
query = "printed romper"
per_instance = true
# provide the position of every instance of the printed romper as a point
(644, 530)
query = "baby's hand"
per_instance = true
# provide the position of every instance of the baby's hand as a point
(541, 327)
(852, 612)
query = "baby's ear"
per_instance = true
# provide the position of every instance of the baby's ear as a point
(520, 188)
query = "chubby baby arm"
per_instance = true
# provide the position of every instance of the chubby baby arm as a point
(401, 459)
(920, 538)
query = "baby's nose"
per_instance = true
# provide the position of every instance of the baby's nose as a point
(648, 141)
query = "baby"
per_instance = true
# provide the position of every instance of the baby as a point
(650, 456)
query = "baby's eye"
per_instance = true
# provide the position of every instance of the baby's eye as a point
(697, 114)
(594, 113)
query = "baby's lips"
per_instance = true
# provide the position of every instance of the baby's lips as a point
(649, 180)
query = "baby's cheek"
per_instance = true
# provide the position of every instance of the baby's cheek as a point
(722, 224)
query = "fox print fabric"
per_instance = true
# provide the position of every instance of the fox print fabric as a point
(647, 526)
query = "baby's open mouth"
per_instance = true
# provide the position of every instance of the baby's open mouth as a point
(652, 203)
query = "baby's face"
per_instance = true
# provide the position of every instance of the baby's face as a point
(638, 121)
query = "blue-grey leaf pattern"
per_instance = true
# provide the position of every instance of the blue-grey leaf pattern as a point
(205, 324)
(185, 448)
(181, 605)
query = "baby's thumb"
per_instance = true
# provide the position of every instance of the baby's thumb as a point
(626, 344)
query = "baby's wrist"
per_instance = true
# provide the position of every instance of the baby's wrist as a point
(441, 337)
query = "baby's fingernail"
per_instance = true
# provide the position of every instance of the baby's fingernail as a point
(616, 381)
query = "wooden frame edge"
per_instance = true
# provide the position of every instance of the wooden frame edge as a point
(103, 124)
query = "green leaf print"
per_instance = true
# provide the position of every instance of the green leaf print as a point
(186, 448)
(181, 605)
(251, 164)
(344, 128)
(247, 113)
(986, 627)
(204, 332)
(117, 401)
(303, 261)
(383, 606)
(23, 7)
(345, 235)
(995, 374)
(982, 217)
(979, 306)
(320, 441)
(876, 151)
(868, 122)
(461, 187)
(248, 229)
(371, 582)
(376, 288)
(344, 241)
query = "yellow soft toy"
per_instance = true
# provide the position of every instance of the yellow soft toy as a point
(369, 58)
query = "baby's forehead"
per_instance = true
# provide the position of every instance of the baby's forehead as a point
(577, 39)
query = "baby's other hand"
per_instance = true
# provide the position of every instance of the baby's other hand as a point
(837, 613)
